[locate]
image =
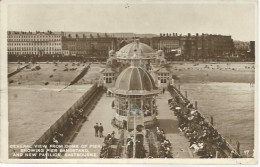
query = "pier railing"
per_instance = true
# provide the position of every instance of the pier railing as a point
(175, 92)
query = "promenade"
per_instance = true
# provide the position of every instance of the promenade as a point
(169, 123)
(102, 113)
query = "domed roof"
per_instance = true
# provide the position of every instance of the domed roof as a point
(135, 80)
(111, 52)
(142, 50)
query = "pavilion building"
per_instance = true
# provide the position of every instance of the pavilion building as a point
(164, 78)
(135, 90)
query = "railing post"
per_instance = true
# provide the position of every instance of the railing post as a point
(196, 105)
(238, 147)
(211, 120)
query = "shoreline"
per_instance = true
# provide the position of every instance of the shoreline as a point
(183, 73)
(201, 73)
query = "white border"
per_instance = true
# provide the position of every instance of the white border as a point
(4, 88)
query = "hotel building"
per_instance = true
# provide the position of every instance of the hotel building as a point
(34, 43)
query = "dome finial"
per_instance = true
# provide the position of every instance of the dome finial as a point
(137, 43)
(134, 61)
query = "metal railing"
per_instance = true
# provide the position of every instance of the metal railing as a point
(185, 100)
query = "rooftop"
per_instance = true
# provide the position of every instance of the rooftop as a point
(108, 70)
(135, 81)
(140, 50)
(162, 70)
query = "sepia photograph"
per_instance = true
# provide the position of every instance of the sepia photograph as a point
(129, 81)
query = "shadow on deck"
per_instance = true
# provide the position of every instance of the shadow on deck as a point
(169, 126)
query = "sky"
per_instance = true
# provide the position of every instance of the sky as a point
(237, 20)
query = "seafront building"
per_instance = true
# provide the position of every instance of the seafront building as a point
(194, 46)
(96, 47)
(88, 46)
(34, 43)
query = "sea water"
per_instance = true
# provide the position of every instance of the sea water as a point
(32, 110)
(232, 108)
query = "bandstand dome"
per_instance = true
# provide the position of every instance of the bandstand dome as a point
(142, 50)
(111, 52)
(135, 80)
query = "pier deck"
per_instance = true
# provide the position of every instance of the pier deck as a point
(102, 113)
(169, 123)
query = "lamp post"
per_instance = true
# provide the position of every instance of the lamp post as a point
(134, 135)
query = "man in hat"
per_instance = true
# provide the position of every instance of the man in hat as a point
(96, 129)
(101, 129)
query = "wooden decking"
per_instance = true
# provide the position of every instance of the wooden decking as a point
(169, 123)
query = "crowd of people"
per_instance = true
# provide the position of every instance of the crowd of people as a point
(203, 137)
(150, 109)
(59, 136)
(75, 117)
(139, 147)
(106, 150)
(165, 144)
(72, 120)
(147, 112)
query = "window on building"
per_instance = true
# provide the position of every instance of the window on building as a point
(163, 80)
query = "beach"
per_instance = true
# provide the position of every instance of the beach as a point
(52, 74)
(217, 72)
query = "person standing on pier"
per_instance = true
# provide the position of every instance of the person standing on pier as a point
(101, 129)
(113, 104)
(96, 129)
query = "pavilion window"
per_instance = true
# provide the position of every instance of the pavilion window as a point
(163, 80)
(123, 105)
